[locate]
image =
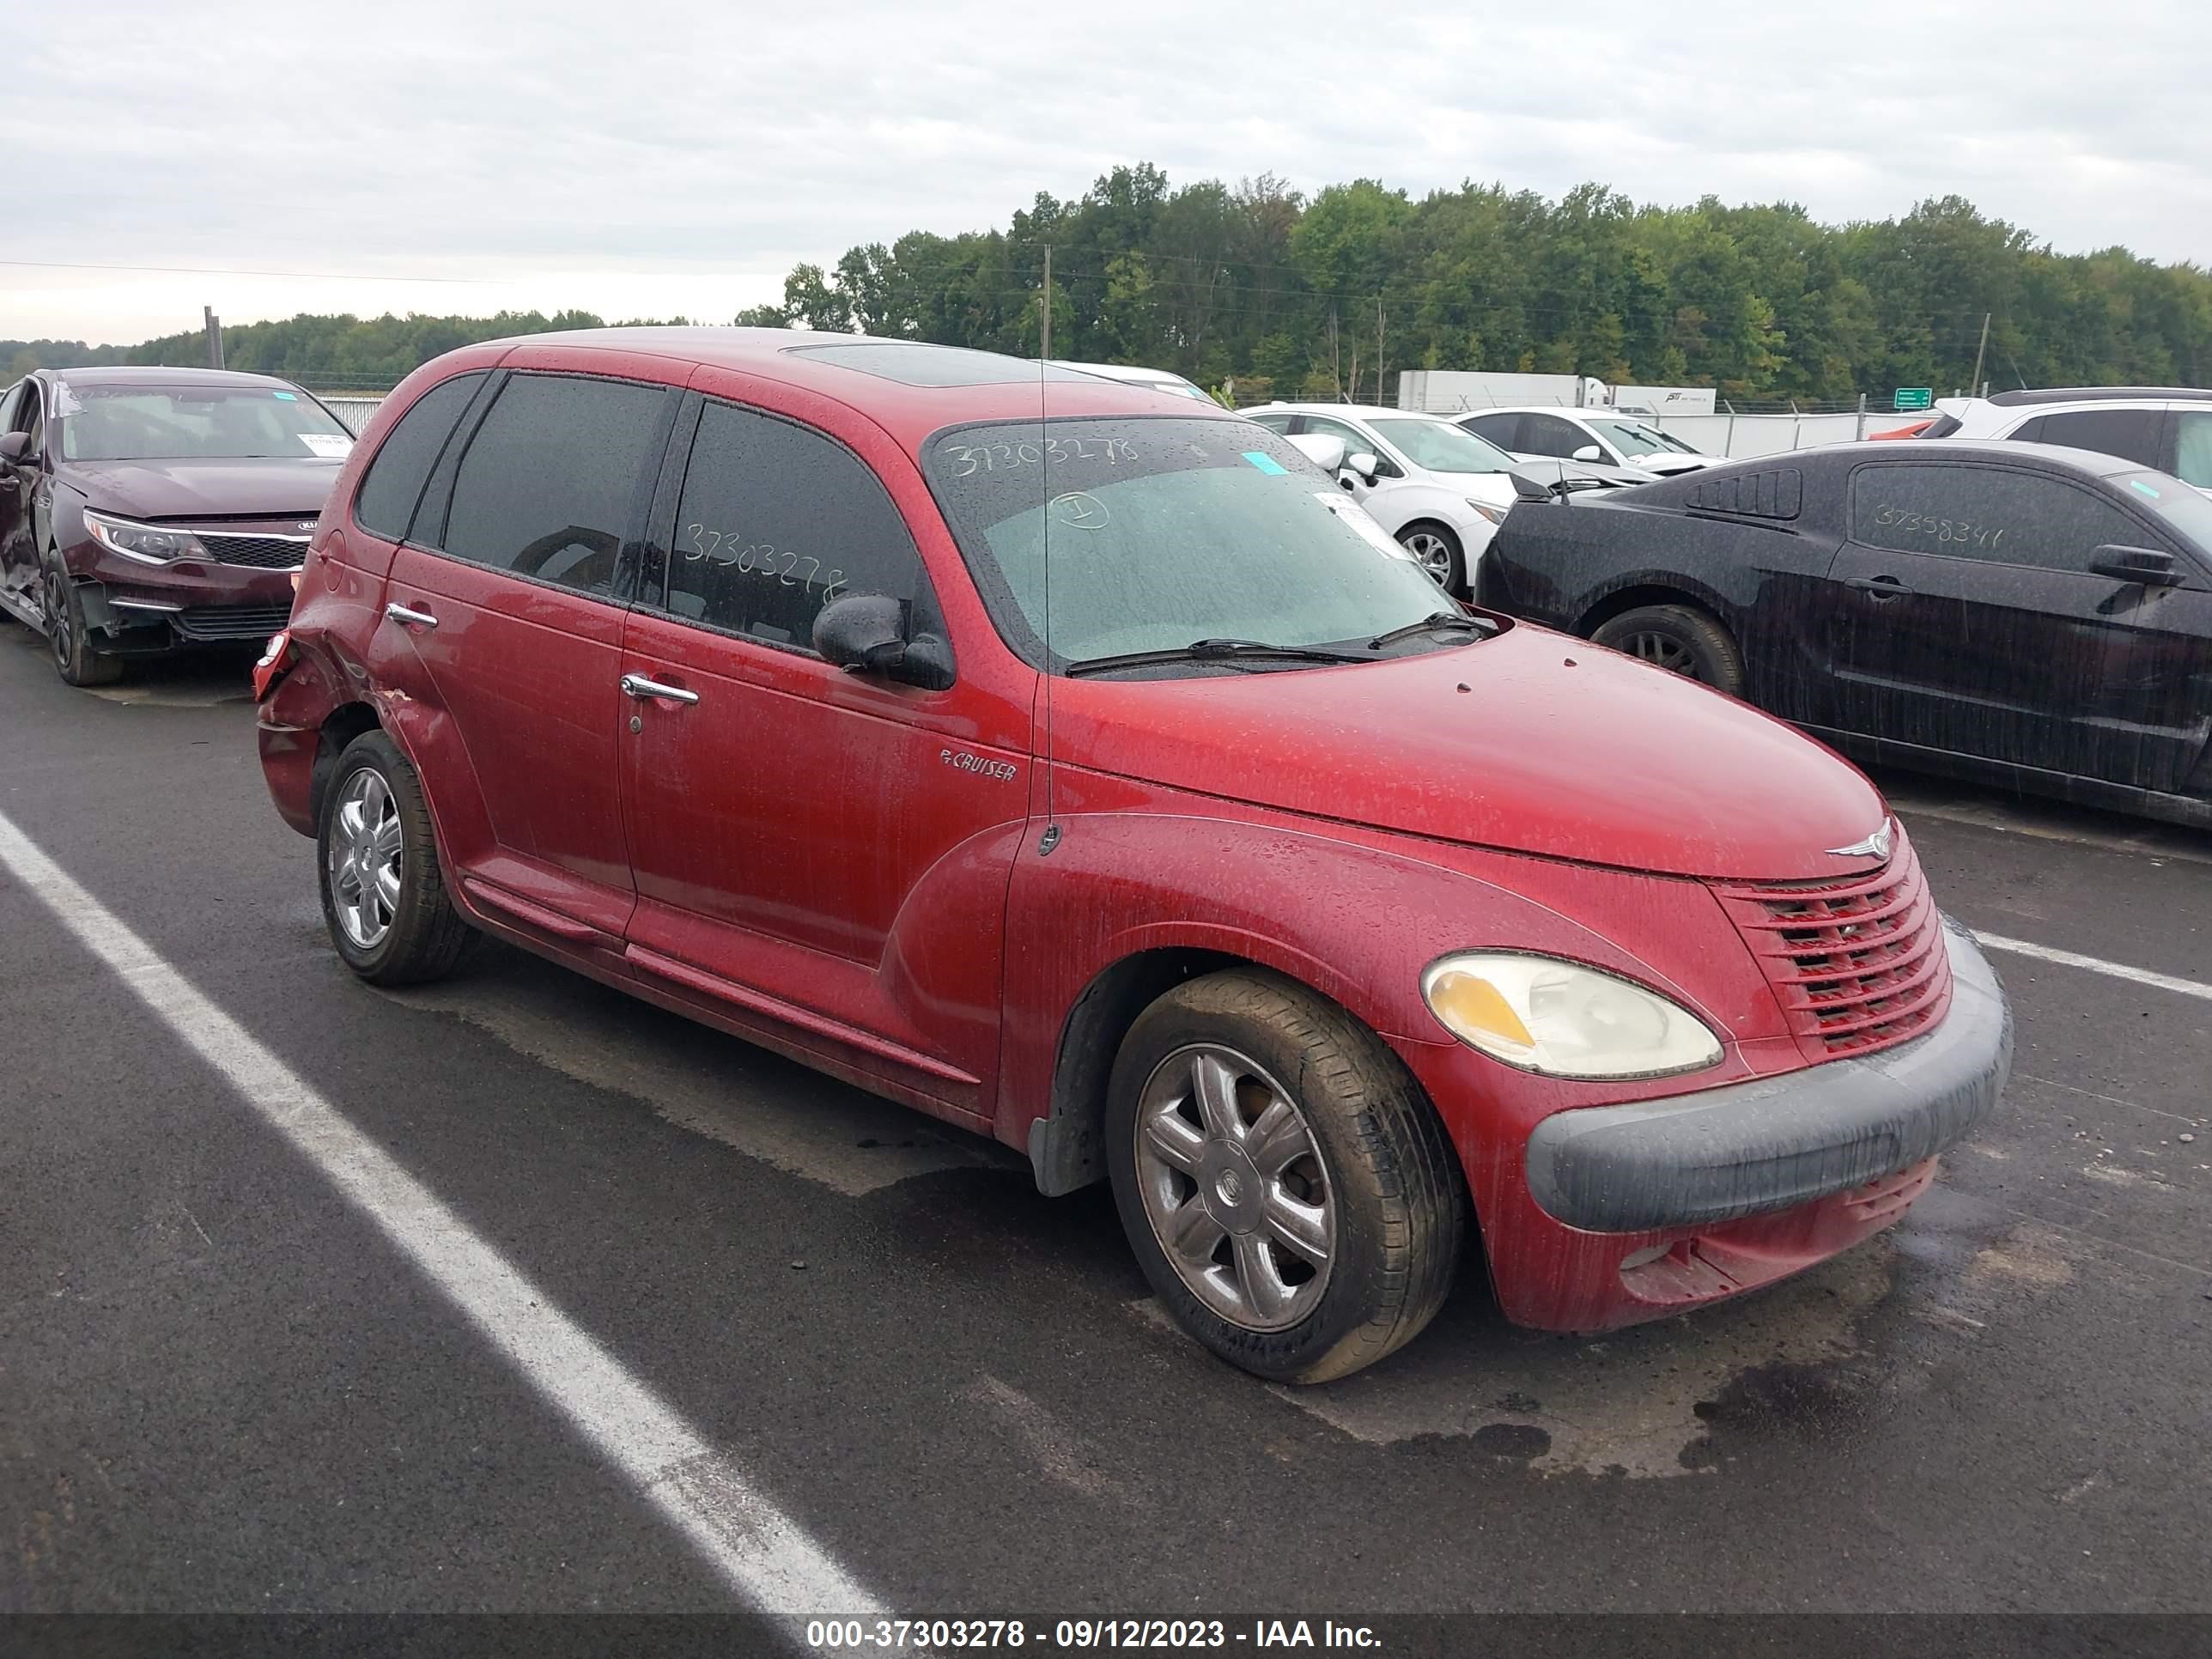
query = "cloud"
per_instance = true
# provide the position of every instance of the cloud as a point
(660, 150)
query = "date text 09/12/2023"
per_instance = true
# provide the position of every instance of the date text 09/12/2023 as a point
(1083, 1634)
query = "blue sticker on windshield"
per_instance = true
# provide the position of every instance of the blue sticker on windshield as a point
(1266, 463)
(289, 396)
(2139, 484)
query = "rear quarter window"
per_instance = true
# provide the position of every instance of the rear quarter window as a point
(386, 500)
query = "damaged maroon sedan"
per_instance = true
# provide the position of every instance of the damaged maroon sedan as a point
(1092, 775)
(142, 510)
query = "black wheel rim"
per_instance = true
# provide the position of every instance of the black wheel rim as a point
(1663, 651)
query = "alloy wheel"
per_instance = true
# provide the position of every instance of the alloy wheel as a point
(53, 598)
(1434, 554)
(366, 842)
(1663, 651)
(1234, 1188)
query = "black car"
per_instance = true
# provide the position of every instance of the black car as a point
(2012, 612)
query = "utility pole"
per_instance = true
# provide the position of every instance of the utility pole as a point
(212, 324)
(1044, 326)
(1975, 379)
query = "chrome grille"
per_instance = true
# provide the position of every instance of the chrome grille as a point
(1858, 964)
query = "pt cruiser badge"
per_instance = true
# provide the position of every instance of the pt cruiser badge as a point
(1003, 771)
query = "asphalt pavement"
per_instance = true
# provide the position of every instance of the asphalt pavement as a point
(226, 1385)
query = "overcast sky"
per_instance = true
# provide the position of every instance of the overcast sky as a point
(644, 158)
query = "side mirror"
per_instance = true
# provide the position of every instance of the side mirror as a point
(16, 448)
(1364, 464)
(1325, 450)
(865, 633)
(1588, 452)
(2146, 565)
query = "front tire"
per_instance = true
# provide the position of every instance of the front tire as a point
(69, 642)
(384, 894)
(1680, 638)
(1285, 1184)
(1436, 548)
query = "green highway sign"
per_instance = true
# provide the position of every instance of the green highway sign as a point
(1914, 397)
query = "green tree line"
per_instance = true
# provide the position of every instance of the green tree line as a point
(1336, 294)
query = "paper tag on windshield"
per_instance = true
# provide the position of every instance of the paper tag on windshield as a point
(328, 445)
(1357, 519)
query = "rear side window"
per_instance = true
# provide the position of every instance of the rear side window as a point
(775, 521)
(1501, 429)
(2192, 449)
(2129, 434)
(386, 502)
(1990, 513)
(551, 483)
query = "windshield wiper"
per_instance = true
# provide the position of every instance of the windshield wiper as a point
(1217, 651)
(1434, 619)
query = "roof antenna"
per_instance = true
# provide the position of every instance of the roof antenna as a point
(1050, 839)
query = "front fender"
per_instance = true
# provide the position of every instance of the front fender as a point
(1356, 916)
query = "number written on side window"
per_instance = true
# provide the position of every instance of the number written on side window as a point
(1940, 529)
(777, 519)
(704, 543)
(2002, 514)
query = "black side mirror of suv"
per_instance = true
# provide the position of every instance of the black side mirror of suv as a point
(865, 633)
(15, 449)
(2147, 565)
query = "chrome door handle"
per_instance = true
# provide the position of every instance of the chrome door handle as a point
(401, 614)
(642, 687)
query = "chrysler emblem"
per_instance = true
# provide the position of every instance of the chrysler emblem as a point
(1875, 846)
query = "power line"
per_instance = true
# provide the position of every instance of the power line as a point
(225, 270)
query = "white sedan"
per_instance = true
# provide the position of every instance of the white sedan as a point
(1584, 435)
(1441, 491)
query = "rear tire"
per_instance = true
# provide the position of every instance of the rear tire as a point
(384, 893)
(69, 642)
(1436, 549)
(1301, 1179)
(1680, 638)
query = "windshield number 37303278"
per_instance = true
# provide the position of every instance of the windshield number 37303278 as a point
(970, 459)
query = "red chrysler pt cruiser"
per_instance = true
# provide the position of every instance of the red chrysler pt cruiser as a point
(1085, 769)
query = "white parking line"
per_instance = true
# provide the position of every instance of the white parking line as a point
(2020, 947)
(763, 1554)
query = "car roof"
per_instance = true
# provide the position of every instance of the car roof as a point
(1923, 450)
(910, 387)
(2098, 394)
(159, 374)
(1571, 410)
(1346, 411)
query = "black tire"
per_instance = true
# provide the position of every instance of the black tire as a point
(1422, 534)
(69, 642)
(1391, 1180)
(425, 935)
(1679, 637)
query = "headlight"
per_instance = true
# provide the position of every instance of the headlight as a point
(146, 542)
(1565, 1020)
(1495, 514)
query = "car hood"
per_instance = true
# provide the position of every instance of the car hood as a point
(1531, 741)
(264, 488)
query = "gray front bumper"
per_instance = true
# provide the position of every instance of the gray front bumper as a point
(1748, 1148)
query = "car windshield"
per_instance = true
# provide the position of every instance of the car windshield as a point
(1163, 531)
(1635, 439)
(196, 423)
(1441, 446)
(2186, 509)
